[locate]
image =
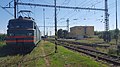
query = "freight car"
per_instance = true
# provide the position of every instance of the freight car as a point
(23, 33)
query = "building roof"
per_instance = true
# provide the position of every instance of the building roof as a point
(81, 26)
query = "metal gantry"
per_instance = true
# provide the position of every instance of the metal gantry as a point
(66, 7)
(106, 17)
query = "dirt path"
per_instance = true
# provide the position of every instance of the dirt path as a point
(45, 58)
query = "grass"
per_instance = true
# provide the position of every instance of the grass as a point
(96, 40)
(2, 43)
(113, 42)
(29, 60)
(91, 40)
(64, 58)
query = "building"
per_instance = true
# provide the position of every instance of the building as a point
(79, 32)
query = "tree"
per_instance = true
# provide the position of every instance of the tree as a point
(116, 34)
(65, 33)
(107, 36)
(60, 33)
(2, 37)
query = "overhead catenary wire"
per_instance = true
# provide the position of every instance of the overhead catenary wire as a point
(64, 2)
(78, 5)
(88, 0)
(7, 11)
(97, 2)
(38, 5)
(45, 1)
(81, 6)
(74, 14)
(9, 4)
(93, 3)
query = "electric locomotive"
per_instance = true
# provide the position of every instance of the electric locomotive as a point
(23, 33)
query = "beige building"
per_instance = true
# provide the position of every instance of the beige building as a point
(81, 31)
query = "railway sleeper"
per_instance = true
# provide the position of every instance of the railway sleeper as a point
(94, 55)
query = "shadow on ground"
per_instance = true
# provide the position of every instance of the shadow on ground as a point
(11, 51)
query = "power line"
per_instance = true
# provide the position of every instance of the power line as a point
(44, 1)
(85, 3)
(60, 6)
(93, 4)
(82, 2)
(75, 11)
(6, 10)
(64, 2)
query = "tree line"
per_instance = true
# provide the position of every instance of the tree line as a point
(112, 34)
(2, 37)
(63, 33)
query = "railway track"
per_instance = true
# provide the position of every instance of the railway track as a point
(111, 59)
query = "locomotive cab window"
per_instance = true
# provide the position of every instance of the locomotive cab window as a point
(34, 27)
(20, 24)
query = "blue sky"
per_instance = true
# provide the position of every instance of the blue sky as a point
(76, 17)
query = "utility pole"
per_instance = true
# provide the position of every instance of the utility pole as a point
(55, 27)
(107, 35)
(117, 31)
(116, 16)
(17, 8)
(47, 32)
(50, 33)
(15, 4)
(44, 20)
(67, 24)
(106, 16)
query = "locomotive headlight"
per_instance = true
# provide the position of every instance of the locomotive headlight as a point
(17, 26)
(11, 34)
(29, 34)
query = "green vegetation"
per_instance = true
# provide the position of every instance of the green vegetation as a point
(63, 33)
(2, 37)
(33, 59)
(96, 40)
(2, 43)
(43, 55)
(113, 42)
(114, 34)
(91, 40)
(66, 57)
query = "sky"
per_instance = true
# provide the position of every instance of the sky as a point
(77, 17)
